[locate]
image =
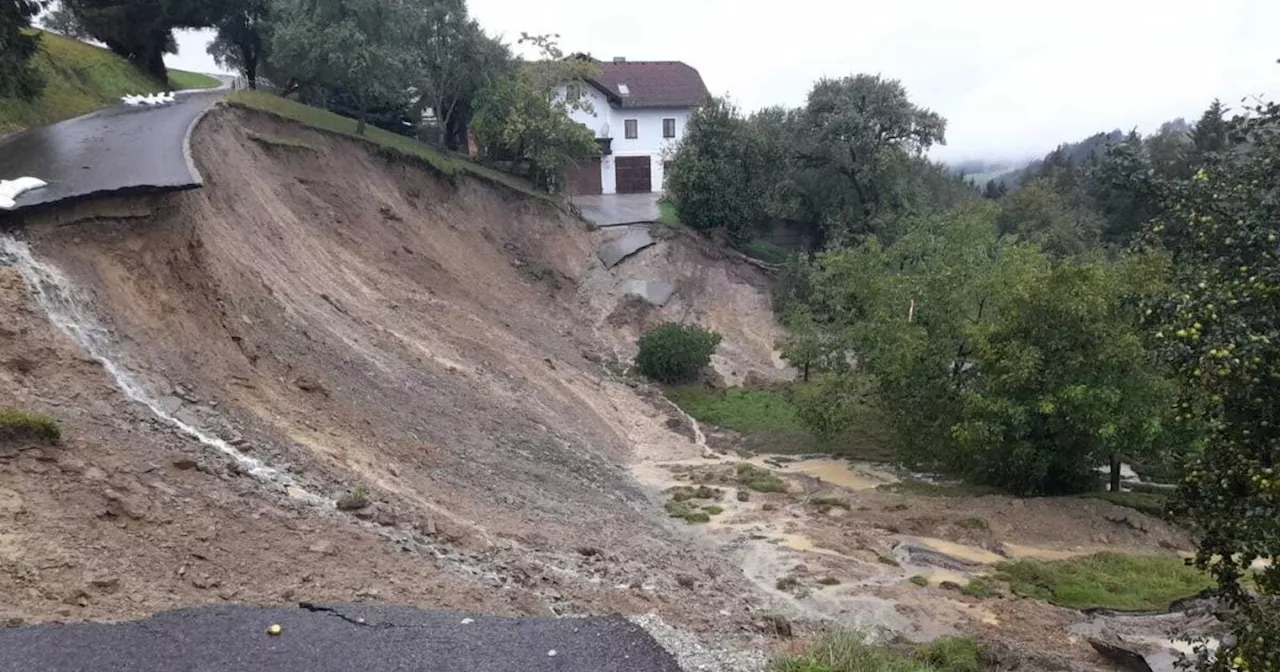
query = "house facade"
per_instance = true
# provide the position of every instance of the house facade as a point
(639, 111)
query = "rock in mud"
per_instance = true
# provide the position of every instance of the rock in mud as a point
(185, 464)
(323, 547)
(169, 404)
(1127, 655)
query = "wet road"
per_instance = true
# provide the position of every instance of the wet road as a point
(351, 637)
(116, 149)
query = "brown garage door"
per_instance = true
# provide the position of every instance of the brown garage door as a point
(585, 178)
(633, 175)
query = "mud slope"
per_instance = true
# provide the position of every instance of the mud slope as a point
(358, 323)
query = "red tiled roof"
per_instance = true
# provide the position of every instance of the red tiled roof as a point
(651, 84)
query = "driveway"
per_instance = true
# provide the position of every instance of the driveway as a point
(119, 149)
(353, 638)
(618, 209)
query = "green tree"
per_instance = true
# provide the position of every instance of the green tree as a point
(711, 178)
(1220, 327)
(61, 20)
(451, 60)
(525, 115)
(353, 47)
(1036, 212)
(142, 30)
(18, 77)
(810, 348)
(1061, 380)
(859, 132)
(243, 38)
(675, 353)
(1209, 136)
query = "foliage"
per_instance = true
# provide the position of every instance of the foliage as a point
(61, 20)
(1060, 380)
(354, 499)
(675, 353)
(243, 38)
(19, 77)
(348, 46)
(79, 78)
(687, 512)
(390, 144)
(809, 348)
(667, 212)
(142, 31)
(1219, 325)
(525, 117)
(979, 588)
(1037, 213)
(850, 652)
(16, 425)
(765, 251)
(1106, 581)
(452, 59)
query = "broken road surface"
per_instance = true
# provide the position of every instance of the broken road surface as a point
(337, 637)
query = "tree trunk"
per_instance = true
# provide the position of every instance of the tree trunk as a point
(360, 122)
(806, 372)
(1115, 472)
(250, 58)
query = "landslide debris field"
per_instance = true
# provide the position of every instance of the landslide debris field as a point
(330, 376)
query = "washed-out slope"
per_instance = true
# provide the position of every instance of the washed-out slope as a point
(355, 322)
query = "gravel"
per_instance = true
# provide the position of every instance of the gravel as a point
(695, 656)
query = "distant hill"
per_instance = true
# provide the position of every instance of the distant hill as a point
(80, 78)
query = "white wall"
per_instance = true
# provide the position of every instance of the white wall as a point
(608, 122)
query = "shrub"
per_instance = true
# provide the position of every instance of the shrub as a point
(18, 425)
(953, 654)
(354, 499)
(850, 652)
(920, 580)
(675, 353)
(979, 588)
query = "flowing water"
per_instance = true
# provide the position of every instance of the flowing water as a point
(67, 309)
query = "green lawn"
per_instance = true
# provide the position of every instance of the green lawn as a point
(849, 652)
(397, 145)
(181, 80)
(1106, 581)
(79, 78)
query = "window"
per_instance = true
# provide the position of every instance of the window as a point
(631, 128)
(668, 128)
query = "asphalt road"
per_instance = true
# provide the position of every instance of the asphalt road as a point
(359, 638)
(118, 149)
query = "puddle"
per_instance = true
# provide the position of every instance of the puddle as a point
(938, 576)
(972, 554)
(831, 470)
(1020, 552)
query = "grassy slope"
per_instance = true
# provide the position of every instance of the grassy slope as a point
(849, 652)
(80, 78)
(1107, 581)
(183, 80)
(335, 123)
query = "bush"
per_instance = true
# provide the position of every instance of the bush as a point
(760, 480)
(18, 425)
(675, 353)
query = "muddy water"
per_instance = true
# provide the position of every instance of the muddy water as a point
(830, 470)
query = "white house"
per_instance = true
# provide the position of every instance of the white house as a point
(639, 112)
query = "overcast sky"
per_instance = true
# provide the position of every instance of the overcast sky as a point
(1013, 77)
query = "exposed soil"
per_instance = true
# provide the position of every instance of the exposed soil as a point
(358, 325)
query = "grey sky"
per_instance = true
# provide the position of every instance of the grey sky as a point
(1013, 77)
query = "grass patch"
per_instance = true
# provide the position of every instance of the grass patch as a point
(920, 580)
(18, 425)
(687, 512)
(886, 560)
(760, 480)
(684, 493)
(391, 145)
(973, 523)
(850, 652)
(713, 510)
(183, 80)
(1150, 503)
(667, 212)
(1106, 581)
(979, 588)
(79, 78)
(766, 251)
(829, 581)
(740, 409)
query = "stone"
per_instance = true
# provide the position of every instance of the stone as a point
(169, 404)
(635, 239)
(386, 517)
(185, 464)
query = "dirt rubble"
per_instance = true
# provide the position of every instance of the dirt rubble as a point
(361, 324)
